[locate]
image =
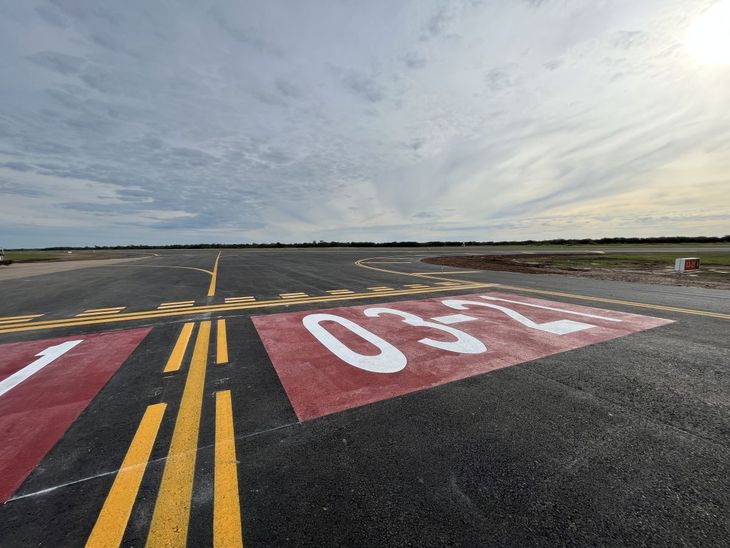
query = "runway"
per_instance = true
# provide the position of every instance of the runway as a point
(332, 397)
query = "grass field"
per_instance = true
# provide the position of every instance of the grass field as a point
(34, 255)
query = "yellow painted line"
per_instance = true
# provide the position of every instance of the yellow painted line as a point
(100, 312)
(20, 318)
(214, 277)
(340, 292)
(416, 286)
(227, 531)
(381, 289)
(239, 299)
(221, 355)
(178, 352)
(3, 322)
(448, 283)
(228, 307)
(177, 303)
(169, 525)
(164, 306)
(112, 309)
(114, 515)
(292, 295)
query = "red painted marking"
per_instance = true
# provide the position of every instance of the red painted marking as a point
(318, 383)
(37, 412)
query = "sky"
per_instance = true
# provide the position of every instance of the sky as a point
(167, 122)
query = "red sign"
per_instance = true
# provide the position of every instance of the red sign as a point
(336, 359)
(44, 387)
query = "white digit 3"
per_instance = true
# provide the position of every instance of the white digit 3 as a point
(464, 343)
(390, 359)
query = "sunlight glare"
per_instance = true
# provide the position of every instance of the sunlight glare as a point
(709, 35)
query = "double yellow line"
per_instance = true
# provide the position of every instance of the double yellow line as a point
(171, 516)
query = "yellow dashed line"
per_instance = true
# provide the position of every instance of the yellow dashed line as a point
(114, 515)
(292, 295)
(381, 289)
(101, 311)
(247, 299)
(221, 343)
(416, 286)
(178, 352)
(181, 304)
(226, 505)
(340, 292)
(19, 319)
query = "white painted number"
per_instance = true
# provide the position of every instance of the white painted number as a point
(390, 359)
(45, 357)
(464, 343)
(558, 327)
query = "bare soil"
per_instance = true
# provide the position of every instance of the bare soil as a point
(708, 276)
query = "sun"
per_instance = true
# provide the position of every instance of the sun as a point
(709, 35)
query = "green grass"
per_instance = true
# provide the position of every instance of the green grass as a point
(28, 256)
(631, 261)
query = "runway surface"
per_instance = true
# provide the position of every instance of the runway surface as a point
(353, 397)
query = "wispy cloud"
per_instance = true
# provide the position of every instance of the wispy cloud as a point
(286, 121)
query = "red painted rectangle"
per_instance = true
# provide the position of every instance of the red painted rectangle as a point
(336, 359)
(37, 411)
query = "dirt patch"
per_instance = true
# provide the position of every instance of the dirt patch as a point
(644, 268)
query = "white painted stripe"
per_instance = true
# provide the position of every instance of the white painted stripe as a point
(45, 357)
(584, 314)
(453, 318)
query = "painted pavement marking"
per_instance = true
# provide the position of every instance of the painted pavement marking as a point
(42, 397)
(100, 311)
(169, 526)
(114, 516)
(178, 351)
(221, 355)
(334, 359)
(179, 304)
(226, 504)
(297, 295)
(214, 276)
(246, 299)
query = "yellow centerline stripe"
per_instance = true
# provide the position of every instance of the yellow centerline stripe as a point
(221, 355)
(169, 526)
(292, 295)
(178, 352)
(339, 291)
(214, 277)
(112, 521)
(227, 531)
(110, 309)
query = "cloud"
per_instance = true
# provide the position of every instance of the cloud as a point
(426, 119)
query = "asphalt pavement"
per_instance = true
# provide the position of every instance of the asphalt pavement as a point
(255, 397)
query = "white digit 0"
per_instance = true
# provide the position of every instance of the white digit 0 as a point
(389, 360)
